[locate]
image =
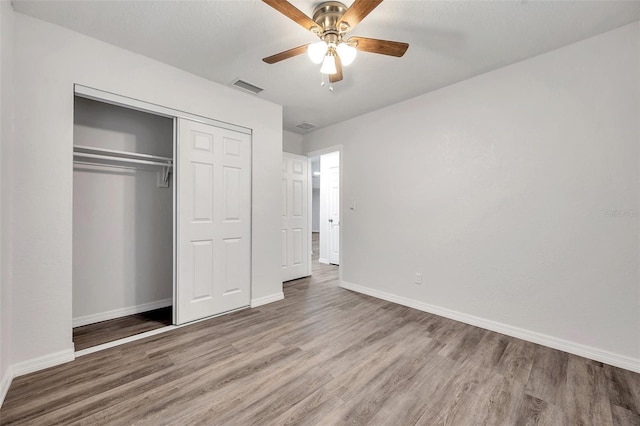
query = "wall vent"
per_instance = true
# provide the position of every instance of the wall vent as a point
(307, 126)
(247, 86)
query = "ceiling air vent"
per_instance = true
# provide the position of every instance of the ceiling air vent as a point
(307, 126)
(247, 86)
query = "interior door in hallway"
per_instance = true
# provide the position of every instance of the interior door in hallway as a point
(214, 220)
(296, 250)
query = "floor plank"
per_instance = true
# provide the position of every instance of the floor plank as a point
(548, 376)
(324, 356)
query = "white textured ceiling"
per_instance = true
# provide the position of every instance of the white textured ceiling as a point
(449, 41)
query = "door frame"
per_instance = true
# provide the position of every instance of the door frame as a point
(339, 148)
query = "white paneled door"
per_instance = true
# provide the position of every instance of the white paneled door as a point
(296, 250)
(214, 220)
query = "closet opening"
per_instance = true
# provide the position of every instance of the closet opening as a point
(123, 222)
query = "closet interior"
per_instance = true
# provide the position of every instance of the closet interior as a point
(123, 222)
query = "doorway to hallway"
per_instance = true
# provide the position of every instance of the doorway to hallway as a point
(326, 206)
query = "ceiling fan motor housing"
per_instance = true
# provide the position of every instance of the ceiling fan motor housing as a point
(327, 15)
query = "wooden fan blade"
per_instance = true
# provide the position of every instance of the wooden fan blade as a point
(291, 12)
(333, 78)
(286, 54)
(358, 10)
(383, 47)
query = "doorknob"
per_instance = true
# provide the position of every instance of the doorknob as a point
(330, 220)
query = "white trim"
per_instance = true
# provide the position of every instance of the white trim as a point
(267, 299)
(128, 339)
(122, 312)
(5, 383)
(321, 260)
(309, 217)
(45, 361)
(590, 352)
(127, 102)
(174, 224)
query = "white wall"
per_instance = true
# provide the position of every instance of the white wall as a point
(292, 142)
(122, 220)
(6, 100)
(515, 194)
(48, 61)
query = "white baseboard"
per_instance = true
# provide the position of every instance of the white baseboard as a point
(325, 261)
(266, 299)
(122, 312)
(5, 382)
(43, 362)
(32, 365)
(590, 352)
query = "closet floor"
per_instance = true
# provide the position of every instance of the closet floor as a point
(96, 334)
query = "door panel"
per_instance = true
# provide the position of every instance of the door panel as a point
(298, 246)
(296, 254)
(232, 194)
(284, 248)
(202, 269)
(297, 200)
(214, 220)
(284, 197)
(232, 265)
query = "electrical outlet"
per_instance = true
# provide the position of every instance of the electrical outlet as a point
(418, 278)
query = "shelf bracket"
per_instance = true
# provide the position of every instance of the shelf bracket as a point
(164, 177)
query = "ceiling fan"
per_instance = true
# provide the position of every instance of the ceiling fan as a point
(331, 22)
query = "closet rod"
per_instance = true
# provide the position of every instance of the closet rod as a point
(93, 163)
(121, 159)
(123, 153)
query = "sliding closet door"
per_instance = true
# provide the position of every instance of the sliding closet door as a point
(214, 220)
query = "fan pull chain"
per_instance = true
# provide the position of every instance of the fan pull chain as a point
(323, 83)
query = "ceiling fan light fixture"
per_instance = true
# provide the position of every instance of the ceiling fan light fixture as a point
(317, 51)
(331, 22)
(329, 65)
(347, 53)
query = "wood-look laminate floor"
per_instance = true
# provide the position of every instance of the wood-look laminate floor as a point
(91, 335)
(325, 356)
